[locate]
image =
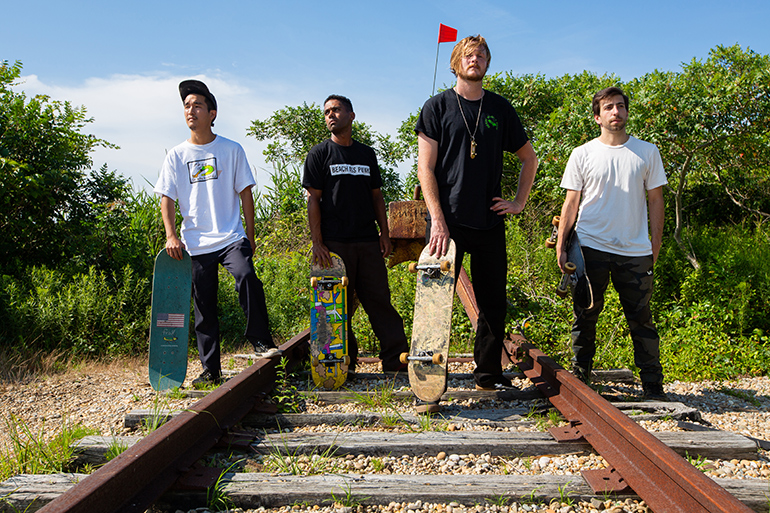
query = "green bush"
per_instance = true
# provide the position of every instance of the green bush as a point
(93, 313)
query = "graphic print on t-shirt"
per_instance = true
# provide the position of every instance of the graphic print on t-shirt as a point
(349, 169)
(202, 170)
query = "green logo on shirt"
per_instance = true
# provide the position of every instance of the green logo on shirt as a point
(491, 122)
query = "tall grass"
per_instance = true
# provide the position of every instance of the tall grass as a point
(29, 453)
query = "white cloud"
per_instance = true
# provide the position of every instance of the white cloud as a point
(143, 115)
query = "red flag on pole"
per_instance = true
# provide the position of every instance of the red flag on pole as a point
(446, 34)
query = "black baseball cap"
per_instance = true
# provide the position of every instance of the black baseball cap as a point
(188, 87)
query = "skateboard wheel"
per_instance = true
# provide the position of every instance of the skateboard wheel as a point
(313, 282)
(404, 358)
(346, 360)
(413, 267)
(344, 281)
(438, 358)
(555, 220)
(314, 361)
(570, 267)
(446, 266)
(550, 244)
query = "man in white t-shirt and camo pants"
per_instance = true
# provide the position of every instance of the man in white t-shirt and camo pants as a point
(620, 180)
(210, 178)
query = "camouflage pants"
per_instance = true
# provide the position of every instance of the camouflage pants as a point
(632, 278)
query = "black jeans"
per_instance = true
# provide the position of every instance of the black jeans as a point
(633, 279)
(489, 269)
(236, 258)
(368, 277)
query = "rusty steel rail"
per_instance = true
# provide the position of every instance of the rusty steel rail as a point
(662, 478)
(639, 461)
(134, 480)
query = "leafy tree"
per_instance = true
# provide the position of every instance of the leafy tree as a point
(293, 131)
(711, 124)
(43, 159)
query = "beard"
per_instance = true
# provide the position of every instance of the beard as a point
(616, 127)
(472, 78)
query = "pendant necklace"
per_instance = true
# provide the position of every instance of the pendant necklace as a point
(478, 117)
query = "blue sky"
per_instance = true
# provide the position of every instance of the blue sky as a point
(124, 60)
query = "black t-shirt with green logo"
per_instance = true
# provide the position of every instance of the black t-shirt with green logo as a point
(346, 176)
(466, 186)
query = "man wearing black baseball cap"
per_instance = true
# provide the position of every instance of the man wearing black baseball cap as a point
(210, 178)
(188, 87)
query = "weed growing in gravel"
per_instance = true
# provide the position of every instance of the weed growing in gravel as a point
(116, 448)
(748, 397)
(216, 499)
(498, 500)
(349, 500)
(531, 497)
(427, 423)
(379, 398)
(176, 393)
(28, 452)
(285, 394)
(377, 464)
(700, 462)
(298, 464)
(158, 416)
(383, 400)
(564, 495)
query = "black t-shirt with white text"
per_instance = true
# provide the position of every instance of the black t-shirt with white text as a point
(346, 175)
(466, 186)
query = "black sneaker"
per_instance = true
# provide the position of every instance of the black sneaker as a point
(206, 378)
(500, 384)
(402, 369)
(264, 351)
(654, 392)
(582, 374)
(426, 407)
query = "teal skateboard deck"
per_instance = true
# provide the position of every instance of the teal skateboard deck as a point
(170, 321)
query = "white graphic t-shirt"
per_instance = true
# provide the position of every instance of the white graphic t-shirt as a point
(206, 180)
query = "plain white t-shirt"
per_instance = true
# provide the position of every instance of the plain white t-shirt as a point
(206, 179)
(613, 181)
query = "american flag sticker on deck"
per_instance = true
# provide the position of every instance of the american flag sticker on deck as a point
(170, 320)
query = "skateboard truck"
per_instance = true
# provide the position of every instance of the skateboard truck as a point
(561, 288)
(550, 242)
(330, 360)
(424, 357)
(328, 283)
(432, 270)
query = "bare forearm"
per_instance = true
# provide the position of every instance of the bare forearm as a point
(567, 219)
(247, 204)
(528, 171)
(168, 213)
(656, 208)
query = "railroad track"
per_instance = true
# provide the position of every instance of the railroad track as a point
(161, 468)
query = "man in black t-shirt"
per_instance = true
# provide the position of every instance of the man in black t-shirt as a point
(462, 134)
(345, 209)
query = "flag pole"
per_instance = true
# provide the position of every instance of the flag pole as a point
(445, 35)
(435, 68)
